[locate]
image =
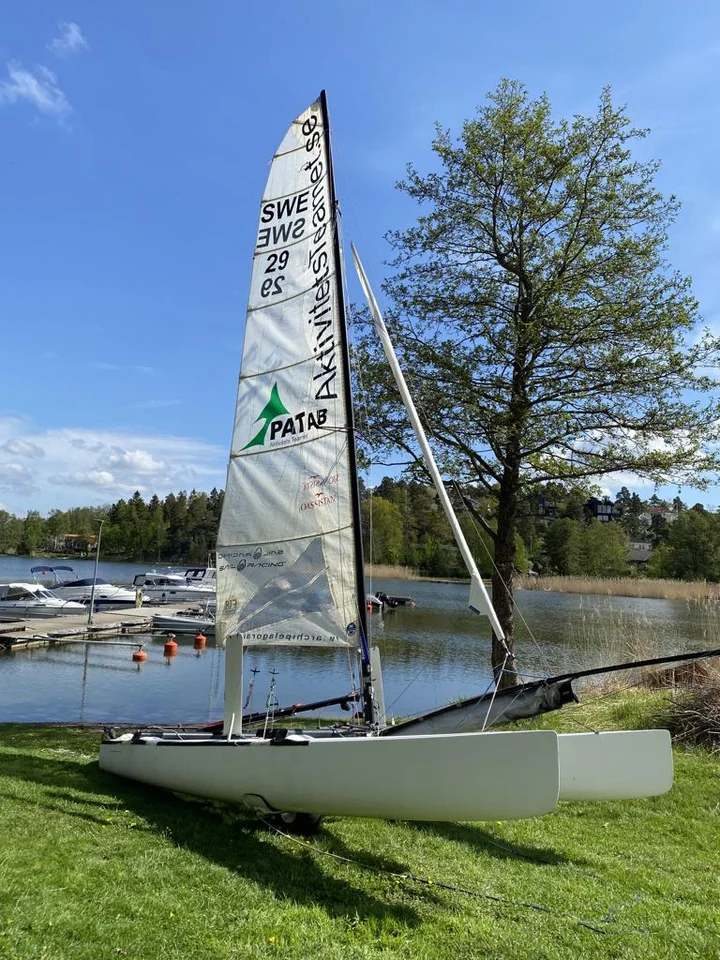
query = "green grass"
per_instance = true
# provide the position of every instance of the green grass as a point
(92, 866)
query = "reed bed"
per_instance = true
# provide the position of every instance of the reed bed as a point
(694, 717)
(605, 632)
(624, 587)
(692, 711)
(690, 708)
(385, 571)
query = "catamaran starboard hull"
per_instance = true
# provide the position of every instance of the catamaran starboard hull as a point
(617, 765)
(487, 776)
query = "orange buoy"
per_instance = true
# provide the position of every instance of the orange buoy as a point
(171, 647)
(200, 641)
(139, 655)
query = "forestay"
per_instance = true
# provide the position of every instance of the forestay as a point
(287, 571)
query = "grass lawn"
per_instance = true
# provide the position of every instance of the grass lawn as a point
(94, 867)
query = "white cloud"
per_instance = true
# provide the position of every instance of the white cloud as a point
(83, 466)
(70, 40)
(82, 444)
(16, 478)
(135, 461)
(38, 88)
(89, 478)
(22, 448)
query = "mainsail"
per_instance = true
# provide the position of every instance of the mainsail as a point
(288, 560)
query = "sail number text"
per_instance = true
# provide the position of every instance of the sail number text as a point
(286, 222)
(276, 261)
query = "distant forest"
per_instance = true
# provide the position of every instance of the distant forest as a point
(403, 525)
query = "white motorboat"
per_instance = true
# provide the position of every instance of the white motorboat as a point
(171, 587)
(22, 601)
(290, 572)
(68, 586)
(193, 621)
(203, 575)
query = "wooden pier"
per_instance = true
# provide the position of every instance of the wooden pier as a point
(43, 631)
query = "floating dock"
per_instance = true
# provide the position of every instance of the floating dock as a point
(43, 631)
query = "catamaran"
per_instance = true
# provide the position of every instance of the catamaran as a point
(290, 572)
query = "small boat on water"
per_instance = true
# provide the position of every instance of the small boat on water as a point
(68, 586)
(170, 587)
(22, 601)
(390, 601)
(380, 601)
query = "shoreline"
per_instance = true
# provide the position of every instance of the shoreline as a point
(639, 587)
(624, 587)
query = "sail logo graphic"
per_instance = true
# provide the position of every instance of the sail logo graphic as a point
(283, 425)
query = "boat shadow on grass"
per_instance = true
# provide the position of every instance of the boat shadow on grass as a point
(220, 833)
(484, 842)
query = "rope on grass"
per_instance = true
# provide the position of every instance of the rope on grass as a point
(609, 918)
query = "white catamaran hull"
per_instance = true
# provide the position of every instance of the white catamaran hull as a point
(617, 765)
(485, 776)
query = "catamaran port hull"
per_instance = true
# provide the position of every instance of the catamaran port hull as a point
(482, 776)
(617, 765)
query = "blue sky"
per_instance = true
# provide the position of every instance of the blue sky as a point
(135, 139)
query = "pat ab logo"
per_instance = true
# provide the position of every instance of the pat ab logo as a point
(282, 424)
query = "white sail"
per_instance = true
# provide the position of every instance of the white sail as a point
(479, 600)
(286, 557)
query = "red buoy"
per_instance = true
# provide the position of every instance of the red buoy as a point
(200, 641)
(171, 648)
(139, 655)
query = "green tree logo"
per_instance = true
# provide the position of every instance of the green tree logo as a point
(272, 409)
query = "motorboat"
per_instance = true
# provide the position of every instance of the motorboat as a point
(171, 587)
(189, 623)
(380, 601)
(21, 601)
(201, 575)
(68, 586)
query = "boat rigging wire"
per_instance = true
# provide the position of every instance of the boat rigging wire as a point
(593, 925)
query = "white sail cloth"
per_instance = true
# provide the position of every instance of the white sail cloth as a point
(286, 559)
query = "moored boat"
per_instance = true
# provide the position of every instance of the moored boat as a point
(187, 623)
(170, 587)
(68, 586)
(23, 601)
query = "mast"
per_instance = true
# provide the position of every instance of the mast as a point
(368, 705)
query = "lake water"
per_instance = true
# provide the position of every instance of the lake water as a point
(433, 653)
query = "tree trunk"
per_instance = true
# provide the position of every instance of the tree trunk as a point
(503, 654)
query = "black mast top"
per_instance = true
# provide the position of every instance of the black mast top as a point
(368, 705)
